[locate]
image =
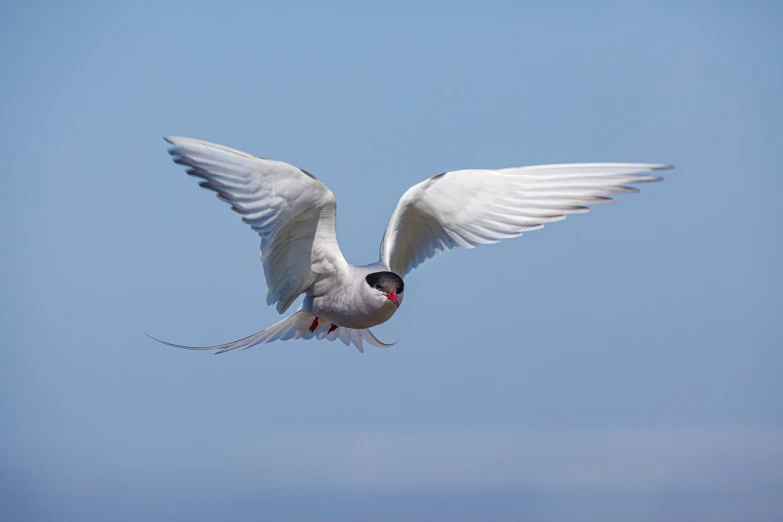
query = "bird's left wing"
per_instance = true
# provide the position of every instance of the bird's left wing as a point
(468, 208)
(289, 208)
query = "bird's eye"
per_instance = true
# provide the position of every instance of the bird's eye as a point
(378, 287)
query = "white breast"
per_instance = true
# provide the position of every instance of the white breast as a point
(351, 303)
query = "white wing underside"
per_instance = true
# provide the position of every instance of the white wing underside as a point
(468, 208)
(290, 209)
(296, 326)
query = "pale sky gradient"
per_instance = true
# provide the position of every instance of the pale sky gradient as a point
(620, 366)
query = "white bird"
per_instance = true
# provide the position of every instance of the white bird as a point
(294, 213)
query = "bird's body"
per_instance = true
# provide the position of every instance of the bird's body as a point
(295, 215)
(348, 303)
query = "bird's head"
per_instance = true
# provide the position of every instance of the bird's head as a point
(387, 284)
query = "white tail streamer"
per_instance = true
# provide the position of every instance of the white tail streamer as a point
(296, 326)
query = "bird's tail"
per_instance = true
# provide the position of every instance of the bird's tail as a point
(301, 325)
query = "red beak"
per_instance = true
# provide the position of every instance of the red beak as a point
(393, 298)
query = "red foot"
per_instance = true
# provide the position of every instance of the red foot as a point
(314, 325)
(332, 328)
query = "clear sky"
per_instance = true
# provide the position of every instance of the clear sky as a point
(621, 366)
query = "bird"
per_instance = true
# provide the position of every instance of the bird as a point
(294, 214)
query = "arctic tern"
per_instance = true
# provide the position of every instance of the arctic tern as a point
(294, 214)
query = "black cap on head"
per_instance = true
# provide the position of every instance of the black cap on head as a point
(387, 282)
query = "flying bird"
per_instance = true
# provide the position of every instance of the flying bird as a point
(294, 214)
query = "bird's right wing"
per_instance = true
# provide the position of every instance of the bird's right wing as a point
(468, 208)
(289, 208)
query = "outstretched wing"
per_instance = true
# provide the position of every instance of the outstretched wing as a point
(475, 207)
(289, 208)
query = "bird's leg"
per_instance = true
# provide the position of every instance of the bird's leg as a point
(332, 328)
(314, 325)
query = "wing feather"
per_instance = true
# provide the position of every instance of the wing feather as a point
(292, 212)
(468, 208)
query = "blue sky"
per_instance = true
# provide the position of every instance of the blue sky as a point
(623, 365)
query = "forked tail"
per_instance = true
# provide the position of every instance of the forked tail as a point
(297, 326)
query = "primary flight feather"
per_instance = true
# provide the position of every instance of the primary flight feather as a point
(294, 214)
